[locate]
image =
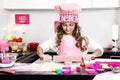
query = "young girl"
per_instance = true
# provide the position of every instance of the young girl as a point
(69, 40)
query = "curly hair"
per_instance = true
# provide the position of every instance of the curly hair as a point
(81, 42)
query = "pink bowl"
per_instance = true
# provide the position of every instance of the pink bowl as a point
(78, 69)
(90, 71)
(66, 70)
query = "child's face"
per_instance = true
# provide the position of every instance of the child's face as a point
(68, 27)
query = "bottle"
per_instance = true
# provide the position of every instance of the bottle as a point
(82, 64)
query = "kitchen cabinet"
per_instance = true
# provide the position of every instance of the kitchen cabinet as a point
(49, 4)
(31, 4)
(46, 4)
(105, 3)
(41, 4)
(82, 3)
(18, 4)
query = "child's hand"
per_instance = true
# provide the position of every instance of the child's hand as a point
(45, 57)
(89, 57)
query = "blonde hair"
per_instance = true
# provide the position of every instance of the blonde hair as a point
(81, 41)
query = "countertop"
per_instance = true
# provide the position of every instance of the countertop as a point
(30, 57)
(42, 70)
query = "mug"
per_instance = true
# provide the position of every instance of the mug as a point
(33, 46)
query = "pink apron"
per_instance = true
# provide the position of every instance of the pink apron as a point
(68, 47)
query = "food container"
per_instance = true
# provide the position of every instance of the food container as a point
(78, 69)
(16, 46)
(58, 71)
(90, 71)
(8, 60)
(108, 69)
(66, 69)
(100, 70)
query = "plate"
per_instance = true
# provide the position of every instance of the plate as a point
(6, 65)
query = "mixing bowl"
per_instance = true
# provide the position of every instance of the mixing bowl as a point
(8, 60)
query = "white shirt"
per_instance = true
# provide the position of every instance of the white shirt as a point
(51, 44)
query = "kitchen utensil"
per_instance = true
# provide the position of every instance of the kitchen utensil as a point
(11, 57)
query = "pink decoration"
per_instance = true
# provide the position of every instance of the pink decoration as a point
(88, 66)
(96, 67)
(90, 71)
(113, 63)
(68, 12)
(66, 70)
(22, 19)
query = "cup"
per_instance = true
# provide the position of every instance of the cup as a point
(33, 46)
(14, 46)
(24, 50)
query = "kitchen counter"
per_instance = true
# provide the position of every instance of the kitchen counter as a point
(110, 54)
(32, 59)
(42, 70)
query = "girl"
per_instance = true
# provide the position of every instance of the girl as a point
(69, 40)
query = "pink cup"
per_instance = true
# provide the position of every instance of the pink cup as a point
(66, 70)
(90, 71)
(78, 69)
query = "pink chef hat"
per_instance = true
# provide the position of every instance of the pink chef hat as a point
(68, 12)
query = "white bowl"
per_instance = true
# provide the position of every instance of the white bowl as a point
(19, 44)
